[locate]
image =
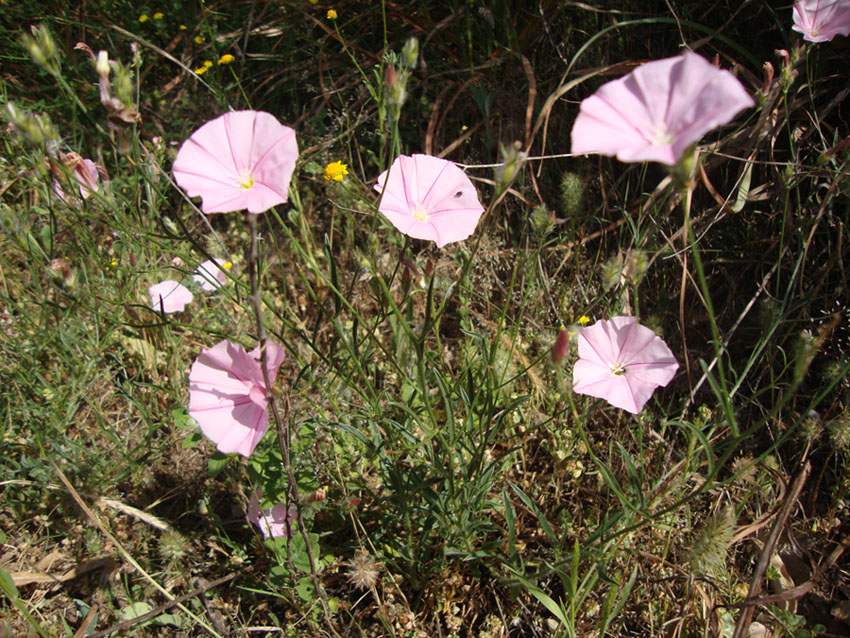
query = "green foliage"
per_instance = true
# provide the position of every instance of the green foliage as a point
(446, 473)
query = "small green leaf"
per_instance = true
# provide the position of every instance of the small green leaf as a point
(216, 464)
(135, 610)
(305, 589)
(192, 440)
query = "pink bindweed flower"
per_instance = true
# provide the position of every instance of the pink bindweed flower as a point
(210, 276)
(821, 20)
(622, 362)
(658, 110)
(239, 160)
(273, 521)
(169, 296)
(427, 197)
(85, 172)
(228, 396)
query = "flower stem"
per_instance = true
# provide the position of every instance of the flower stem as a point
(282, 425)
(709, 307)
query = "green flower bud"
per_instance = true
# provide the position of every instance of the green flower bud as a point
(513, 159)
(410, 53)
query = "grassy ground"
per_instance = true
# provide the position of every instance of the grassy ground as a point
(453, 484)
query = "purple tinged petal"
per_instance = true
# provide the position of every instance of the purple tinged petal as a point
(821, 20)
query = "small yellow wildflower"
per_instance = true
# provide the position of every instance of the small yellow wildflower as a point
(226, 59)
(143, 18)
(227, 265)
(159, 15)
(464, 128)
(331, 14)
(583, 320)
(204, 67)
(335, 171)
(182, 27)
(199, 39)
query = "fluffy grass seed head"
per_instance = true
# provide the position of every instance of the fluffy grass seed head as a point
(839, 431)
(335, 172)
(572, 194)
(708, 553)
(363, 570)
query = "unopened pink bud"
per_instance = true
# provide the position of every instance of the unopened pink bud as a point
(560, 347)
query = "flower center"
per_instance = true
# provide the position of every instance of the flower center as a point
(661, 136)
(619, 369)
(420, 213)
(246, 181)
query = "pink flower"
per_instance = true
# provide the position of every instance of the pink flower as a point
(429, 198)
(622, 362)
(240, 160)
(821, 20)
(210, 276)
(85, 173)
(658, 110)
(169, 296)
(273, 521)
(228, 395)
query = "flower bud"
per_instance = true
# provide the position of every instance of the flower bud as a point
(513, 159)
(410, 53)
(397, 88)
(35, 129)
(61, 271)
(561, 346)
(42, 48)
(102, 64)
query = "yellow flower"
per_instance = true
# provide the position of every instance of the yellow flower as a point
(143, 18)
(204, 67)
(226, 59)
(182, 27)
(331, 14)
(583, 320)
(335, 171)
(227, 265)
(158, 15)
(199, 39)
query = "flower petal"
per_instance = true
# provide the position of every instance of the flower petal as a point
(227, 395)
(169, 296)
(658, 110)
(622, 362)
(430, 198)
(239, 160)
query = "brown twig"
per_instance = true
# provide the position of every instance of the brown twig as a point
(153, 613)
(746, 618)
